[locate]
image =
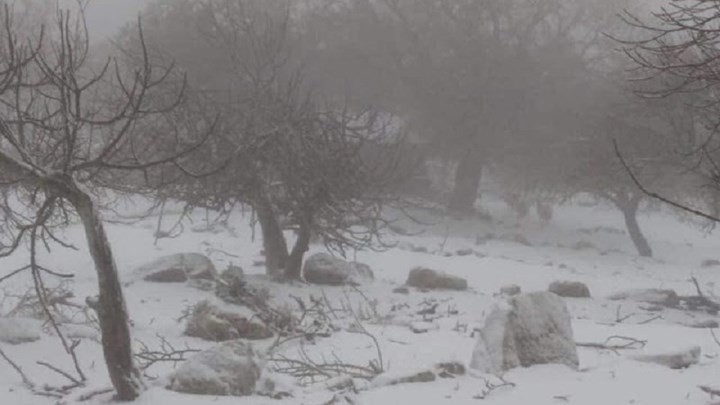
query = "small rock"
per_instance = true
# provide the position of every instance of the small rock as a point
(510, 290)
(583, 245)
(668, 298)
(464, 252)
(361, 273)
(401, 290)
(521, 239)
(422, 327)
(229, 369)
(710, 263)
(232, 273)
(569, 289)
(389, 379)
(421, 377)
(434, 280)
(171, 268)
(675, 360)
(418, 249)
(324, 269)
(210, 323)
(450, 369)
(15, 331)
(707, 324)
(173, 275)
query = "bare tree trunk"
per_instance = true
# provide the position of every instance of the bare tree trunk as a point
(467, 183)
(629, 209)
(111, 308)
(274, 244)
(293, 269)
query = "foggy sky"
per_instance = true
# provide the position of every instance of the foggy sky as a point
(105, 17)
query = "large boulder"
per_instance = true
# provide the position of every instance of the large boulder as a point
(421, 277)
(178, 268)
(15, 331)
(677, 359)
(210, 323)
(530, 329)
(324, 269)
(668, 298)
(570, 289)
(229, 369)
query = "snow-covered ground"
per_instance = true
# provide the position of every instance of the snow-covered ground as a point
(605, 261)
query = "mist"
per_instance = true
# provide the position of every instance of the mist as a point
(345, 202)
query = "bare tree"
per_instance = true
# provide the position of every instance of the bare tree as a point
(319, 168)
(675, 56)
(69, 128)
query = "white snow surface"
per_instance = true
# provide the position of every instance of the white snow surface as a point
(608, 266)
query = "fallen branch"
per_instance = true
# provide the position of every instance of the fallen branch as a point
(166, 353)
(625, 343)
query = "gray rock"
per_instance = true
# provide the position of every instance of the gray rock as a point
(710, 263)
(361, 273)
(464, 252)
(15, 331)
(233, 273)
(510, 290)
(324, 269)
(668, 298)
(229, 369)
(706, 324)
(401, 290)
(531, 329)
(569, 289)
(678, 359)
(208, 322)
(422, 327)
(420, 277)
(178, 268)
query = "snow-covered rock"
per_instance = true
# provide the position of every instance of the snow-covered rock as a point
(20, 330)
(677, 359)
(530, 329)
(569, 289)
(655, 296)
(421, 277)
(510, 290)
(422, 326)
(324, 269)
(229, 369)
(210, 323)
(178, 268)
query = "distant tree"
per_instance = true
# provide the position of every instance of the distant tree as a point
(69, 130)
(470, 77)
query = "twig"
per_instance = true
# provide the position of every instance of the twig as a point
(630, 344)
(72, 379)
(650, 320)
(619, 319)
(19, 370)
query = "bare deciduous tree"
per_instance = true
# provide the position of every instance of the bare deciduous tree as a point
(71, 127)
